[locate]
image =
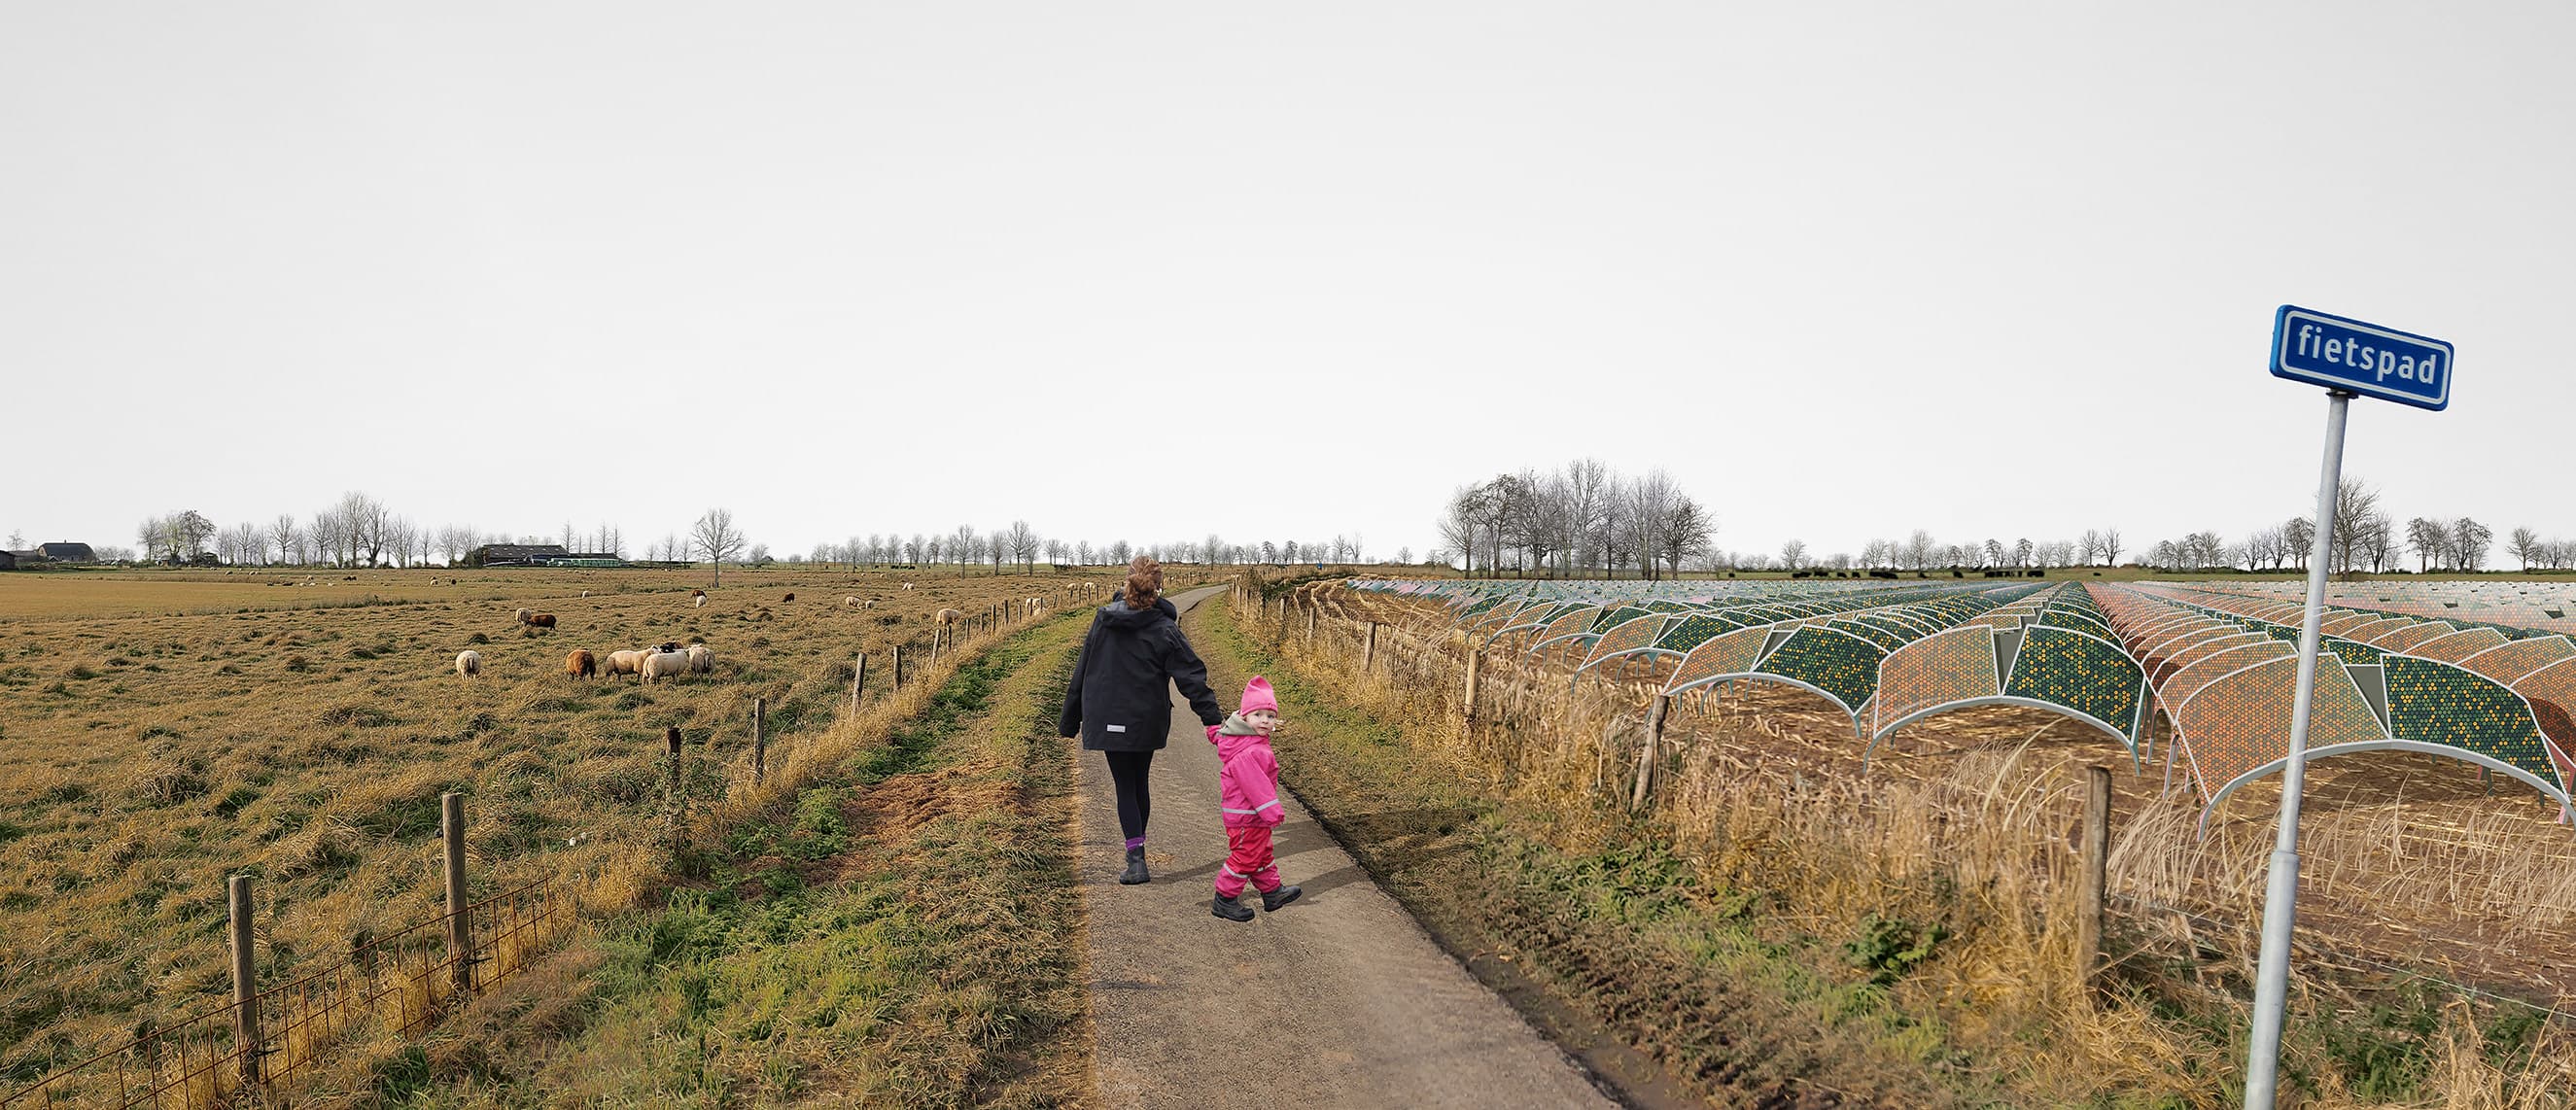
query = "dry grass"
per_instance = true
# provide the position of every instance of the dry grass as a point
(1969, 820)
(147, 757)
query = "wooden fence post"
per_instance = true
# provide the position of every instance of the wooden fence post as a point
(460, 933)
(672, 806)
(858, 680)
(759, 739)
(1475, 661)
(1368, 655)
(2097, 867)
(898, 667)
(1654, 746)
(245, 982)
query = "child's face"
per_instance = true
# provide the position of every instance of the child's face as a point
(1263, 719)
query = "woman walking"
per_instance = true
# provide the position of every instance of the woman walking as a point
(1119, 700)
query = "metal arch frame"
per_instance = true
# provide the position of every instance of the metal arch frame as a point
(2079, 716)
(2389, 744)
(1858, 732)
(1648, 648)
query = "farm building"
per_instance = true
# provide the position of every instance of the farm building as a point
(67, 552)
(537, 555)
(9, 559)
(515, 554)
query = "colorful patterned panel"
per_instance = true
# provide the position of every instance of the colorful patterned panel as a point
(2404, 638)
(2551, 690)
(2339, 623)
(2183, 655)
(1572, 622)
(1840, 664)
(1693, 630)
(2508, 663)
(2084, 673)
(2216, 665)
(1878, 634)
(2243, 721)
(1732, 653)
(2351, 652)
(1957, 665)
(2438, 703)
(2459, 645)
(2381, 627)
(1632, 636)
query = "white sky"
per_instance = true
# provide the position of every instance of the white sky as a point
(1270, 271)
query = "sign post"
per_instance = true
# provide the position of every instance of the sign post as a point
(2351, 359)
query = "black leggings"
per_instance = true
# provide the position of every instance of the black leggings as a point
(1127, 769)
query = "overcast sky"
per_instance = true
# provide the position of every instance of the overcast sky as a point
(1273, 271)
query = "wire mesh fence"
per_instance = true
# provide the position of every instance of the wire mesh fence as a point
(398, 984)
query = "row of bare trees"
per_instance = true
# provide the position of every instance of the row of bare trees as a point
(1580, 518)
(1020, 546)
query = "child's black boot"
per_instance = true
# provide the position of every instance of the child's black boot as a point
(1230, 909)
(1135, 872)
(1271, 900)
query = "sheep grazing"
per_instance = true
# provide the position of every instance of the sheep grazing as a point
(852, 602)
(581, 664)
(948, 616)
(667, 645)
(665, 664)
(538, 620)
(700, 659)
(788, 598)
(700, 602)
(907, 585)
(524, 614)
(469, 663)
(626, 662)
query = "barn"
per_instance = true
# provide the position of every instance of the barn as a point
(67, 552)
(8, 560)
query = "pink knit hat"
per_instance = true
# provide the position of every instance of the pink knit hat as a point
(1257, 696)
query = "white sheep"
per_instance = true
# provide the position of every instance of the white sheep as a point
(907, 585)
(699, 603)
(524, 614)
(701, 660)
(469, 663)
(625, 662)
(665, 664)
(852, 601)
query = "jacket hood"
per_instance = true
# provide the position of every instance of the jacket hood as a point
(1117, 613)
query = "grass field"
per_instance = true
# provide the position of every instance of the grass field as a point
(160, 732)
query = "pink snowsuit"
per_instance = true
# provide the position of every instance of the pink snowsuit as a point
(1249, 789)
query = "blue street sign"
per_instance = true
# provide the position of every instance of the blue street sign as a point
(2340, 353)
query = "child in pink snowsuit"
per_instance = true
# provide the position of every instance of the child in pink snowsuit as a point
(1249, 787)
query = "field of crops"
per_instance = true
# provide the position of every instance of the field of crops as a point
(159, 732)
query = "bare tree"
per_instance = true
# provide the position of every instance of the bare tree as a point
(1650, 506)
(1024, 546)
(1793, 554)
(1919, 550)
(2469, 543)
(716, 537)
(2110, 540)
(1685, 532)
(2524, 545)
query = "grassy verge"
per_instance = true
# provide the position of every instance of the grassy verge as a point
(1623, 939)
(897, 932)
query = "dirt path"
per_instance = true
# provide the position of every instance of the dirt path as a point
(1338, 1000)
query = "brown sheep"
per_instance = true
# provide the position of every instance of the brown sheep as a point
(539, 620)
(581, 664)
(626, 662)
(788, 598)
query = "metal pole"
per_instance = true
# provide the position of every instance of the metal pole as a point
(2281, 896)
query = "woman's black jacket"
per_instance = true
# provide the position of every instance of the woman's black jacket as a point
(1119, 700)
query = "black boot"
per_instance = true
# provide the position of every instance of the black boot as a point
(1135, 872)
(1271, 900)
(1230, 909)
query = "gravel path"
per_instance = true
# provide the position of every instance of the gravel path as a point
(1337, 1000)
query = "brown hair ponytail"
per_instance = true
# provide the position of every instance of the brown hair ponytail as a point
(1144, 581)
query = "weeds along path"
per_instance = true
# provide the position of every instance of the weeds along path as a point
(1337, 1000)
(1659, 986)
(895, 935)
